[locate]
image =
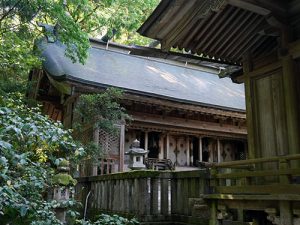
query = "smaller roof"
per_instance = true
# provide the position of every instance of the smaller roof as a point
(105, 68)
(219, 29)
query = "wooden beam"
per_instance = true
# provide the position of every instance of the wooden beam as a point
(190, 124)
(256, 161)
(260, 71)
(254, 197)
(139, 125)
(265, 173)
(260, 189)
(250, 6)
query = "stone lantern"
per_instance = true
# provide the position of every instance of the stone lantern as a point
(60, 191)
(136, 155)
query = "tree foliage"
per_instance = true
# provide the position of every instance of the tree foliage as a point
(103, 111)
(31, 145)
(73, 20)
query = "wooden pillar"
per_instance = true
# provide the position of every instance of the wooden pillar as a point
(154, 196)
(143, 197)
(122, 148)
(164, 196)
(213, 213)
(188, 151)
(161, 147)
(286, 215)
(247, 67)
(219, 150)
(146, 143)
(168, 146)
(200, 149)
(174, 200)
(192, 153)
(291, 103)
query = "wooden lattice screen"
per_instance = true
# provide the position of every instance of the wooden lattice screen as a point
(110, 142)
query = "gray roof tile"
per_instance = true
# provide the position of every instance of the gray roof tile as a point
(132, 73)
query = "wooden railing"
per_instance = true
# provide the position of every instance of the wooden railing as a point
(159, 164)
(100, 167)
(274, 177)
(149, 195)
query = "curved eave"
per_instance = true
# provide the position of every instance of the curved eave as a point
(75, 80)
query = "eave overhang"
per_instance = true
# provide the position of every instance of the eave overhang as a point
(223, 30)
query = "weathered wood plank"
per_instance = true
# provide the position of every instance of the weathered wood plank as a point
(154, 196)
(260, 189)
(173, 196)
(255, 161)
(164, 197)
(185, 193)
(258, 173)
(269, 197)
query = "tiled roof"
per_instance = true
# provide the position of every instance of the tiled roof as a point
(144, 76)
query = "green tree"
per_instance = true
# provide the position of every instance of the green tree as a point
(103, 111)
(31, 145)
(74, 20)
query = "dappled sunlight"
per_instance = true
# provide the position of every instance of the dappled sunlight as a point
(227, 196)
(166, 75)
(202, 83)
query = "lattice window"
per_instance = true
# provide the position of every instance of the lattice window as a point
(110, 142)
(85, 135)
(241, 155)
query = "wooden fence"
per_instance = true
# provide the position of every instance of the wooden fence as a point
(151, 196)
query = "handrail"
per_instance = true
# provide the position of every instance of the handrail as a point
(252, 161)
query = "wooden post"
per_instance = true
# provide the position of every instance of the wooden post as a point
(173, 195)
(143, 197)
(161, 147)
(164, 196)
(122, 196)
(188, 160)
(247, 67)
(146, 143)
(286, 216)
(291, 103)
(168, 146)
(213, 213)
(213, 207)
(192, 153)
(200, 149)
(219, 150)
(122, 148)
(154, 196)
(136, 196)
